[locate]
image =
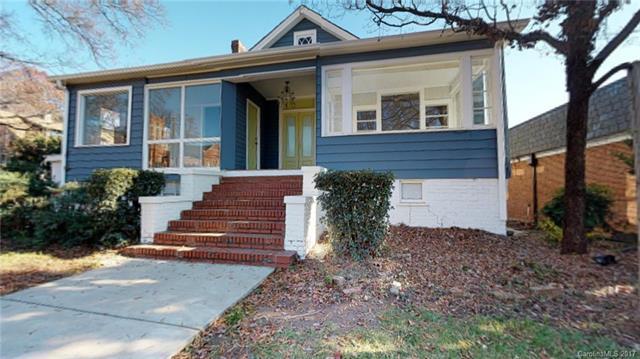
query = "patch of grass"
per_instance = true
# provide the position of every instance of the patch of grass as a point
(19, 270)
(542, 272)
(235, 315)
(420, 333)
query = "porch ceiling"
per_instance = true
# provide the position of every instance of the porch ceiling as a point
(303, 85)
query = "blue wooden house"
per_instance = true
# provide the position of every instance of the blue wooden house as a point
(240, 136)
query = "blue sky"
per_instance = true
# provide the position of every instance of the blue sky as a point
(535, 78)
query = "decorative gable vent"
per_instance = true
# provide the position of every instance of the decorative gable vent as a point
(307, 37)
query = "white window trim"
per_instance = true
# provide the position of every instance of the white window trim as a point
(437, 102)
(80, 114)
(181, 141)
(246, 136)
(465, 123)
(306, 33)
(360, 108)
(421, 201)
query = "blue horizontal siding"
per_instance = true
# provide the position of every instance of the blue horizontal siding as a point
(443, 154)
(82, 161)
(322, 36)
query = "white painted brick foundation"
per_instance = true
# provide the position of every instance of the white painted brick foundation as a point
(156, 212)
(464, 203)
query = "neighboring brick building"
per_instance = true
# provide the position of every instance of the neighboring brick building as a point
(543, 138)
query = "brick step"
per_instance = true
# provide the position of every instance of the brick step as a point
(271, 258)
(263, 179)
(266, 194)
(192, 225)
(257, 186)
(220, 239)
(228, 203)
(234, 214)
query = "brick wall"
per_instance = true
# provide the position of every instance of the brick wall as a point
(603, 167)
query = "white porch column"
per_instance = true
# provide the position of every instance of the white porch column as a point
(302, 220)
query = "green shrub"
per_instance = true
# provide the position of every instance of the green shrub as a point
(28, 153)
(13, 187)
(68, 220)
(103, 211)
(598, 207)
(356, 205)
(17, 221)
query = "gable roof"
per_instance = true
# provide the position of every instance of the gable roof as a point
(609, 114)
(299, 14)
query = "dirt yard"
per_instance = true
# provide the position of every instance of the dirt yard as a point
(20, 270)
(457, 293)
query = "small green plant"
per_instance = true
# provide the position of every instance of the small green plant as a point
(356, 205)
(552, 231)
(235, 316)
(627, 157)
(598, 207)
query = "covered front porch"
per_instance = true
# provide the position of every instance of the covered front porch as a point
(272, 125)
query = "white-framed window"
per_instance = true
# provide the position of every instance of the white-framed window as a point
(411, 191)
(481, 85)
(366, 118)
(307, 37)
(436, 113)
(413, 94)
(183, 126)
(103, 117)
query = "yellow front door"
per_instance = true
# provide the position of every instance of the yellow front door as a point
(252, 136)
(299, 135)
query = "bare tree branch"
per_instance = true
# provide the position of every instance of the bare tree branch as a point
(613, 71)
(96, 26)
(616, 41)
(472, 24)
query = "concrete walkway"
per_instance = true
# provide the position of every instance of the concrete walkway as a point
(136, 309)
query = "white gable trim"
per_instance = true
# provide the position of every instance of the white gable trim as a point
(292, 20)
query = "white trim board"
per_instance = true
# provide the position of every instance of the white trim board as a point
(591, 143)
(246, 136)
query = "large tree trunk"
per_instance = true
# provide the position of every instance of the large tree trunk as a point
(574, 237)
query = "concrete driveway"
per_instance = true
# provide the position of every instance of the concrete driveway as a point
(136, 309)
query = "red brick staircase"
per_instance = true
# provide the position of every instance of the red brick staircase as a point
(239, 221)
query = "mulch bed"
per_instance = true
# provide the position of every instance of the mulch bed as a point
(454, 272)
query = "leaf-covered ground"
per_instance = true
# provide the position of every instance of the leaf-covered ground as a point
(20, 270)
(463, 293)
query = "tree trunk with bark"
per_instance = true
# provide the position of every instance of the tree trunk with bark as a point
(574, 238)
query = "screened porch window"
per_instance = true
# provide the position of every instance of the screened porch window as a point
(451, 92)
(183, 126)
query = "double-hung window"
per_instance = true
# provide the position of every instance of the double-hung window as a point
(103, 117)
(183, 126)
